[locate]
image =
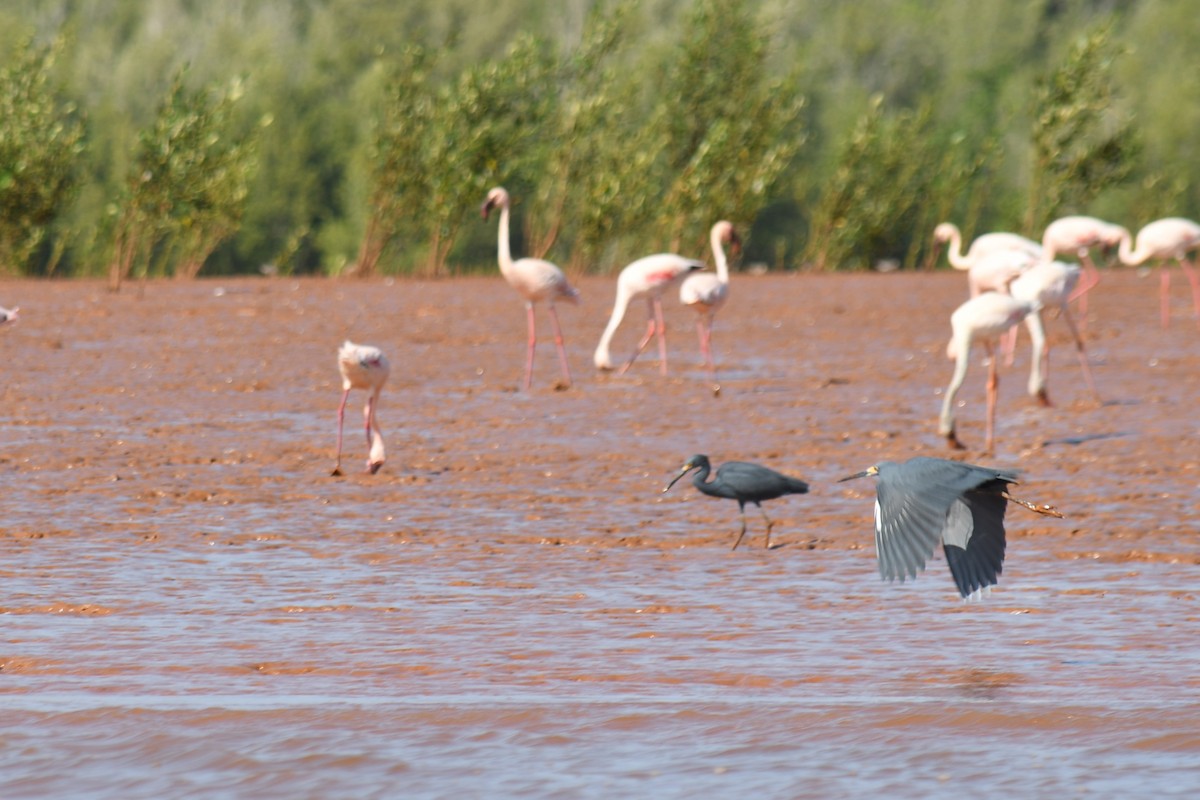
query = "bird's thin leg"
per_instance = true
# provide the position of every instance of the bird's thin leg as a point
(742, 512)
(1164, 294)
(337, 467)
(767, 541)
(532, 343)
(704, 329)
(642, 344)
(701, 338)
(558, 342)
(1091, 277)
(993, 384)
(1081, 351)
(662, 336)
(1009, 344)
(1190, 272)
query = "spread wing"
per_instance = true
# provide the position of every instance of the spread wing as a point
(908, 526)
(933, 501)
(974, 540)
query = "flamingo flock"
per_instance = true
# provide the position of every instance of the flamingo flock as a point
(1027, 273)
(1010, 279)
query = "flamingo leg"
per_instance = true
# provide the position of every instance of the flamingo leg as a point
(1091, 277)
(742, 512)
(1190, 272)
(662, 336)
(337, 467)
(558, 342)
(1164, 295)
(641, 346)
(704, 330)
(1081, 352)
(993, 385)
(532, 342)
(1008, 344)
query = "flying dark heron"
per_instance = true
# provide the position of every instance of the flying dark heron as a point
(929, 500)
(746, 483)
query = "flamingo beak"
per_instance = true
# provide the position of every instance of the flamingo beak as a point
(485, 208)
(735, 243)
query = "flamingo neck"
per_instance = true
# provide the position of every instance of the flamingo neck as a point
(602, 357)
(719, 257)
(1126, 253)
(504, 250)
(954, 253)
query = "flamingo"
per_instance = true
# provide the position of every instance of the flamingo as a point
(1160, 240)
(982, 318)
(8, 314)
(994, 270)
(707, 292)
(1077, 235)
(983, 245)
(647, 277)
(1049, 284)
(535, 280)
(362, 367)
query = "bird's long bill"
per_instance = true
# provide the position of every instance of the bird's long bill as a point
(485, 208)
(686, 469)
(866, 473)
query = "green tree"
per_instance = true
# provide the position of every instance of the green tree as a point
(484, 128)
(187, 190)
(895, 176)
(41, 142)
(729, 131)
(1081, 146)
(399, 182)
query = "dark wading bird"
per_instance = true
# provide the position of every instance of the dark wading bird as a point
(925, 501)
(746, 483)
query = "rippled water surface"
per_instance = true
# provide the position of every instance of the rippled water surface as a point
(193, 607)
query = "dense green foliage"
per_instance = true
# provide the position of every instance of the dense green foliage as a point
(837, 133)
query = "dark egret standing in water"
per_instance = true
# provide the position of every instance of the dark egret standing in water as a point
(746, 483)
(927, 501)
(362, 367)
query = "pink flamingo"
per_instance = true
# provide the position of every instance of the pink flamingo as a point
(535, 280)
(1173, 237)
(1049, 284)
(982, 246)
(982, 318)
(8, 314)
(647, 277)
(707, 292)
(362, 367)
(993, 271)
(1076, 236)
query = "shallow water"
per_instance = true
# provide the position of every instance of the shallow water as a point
(192, 606)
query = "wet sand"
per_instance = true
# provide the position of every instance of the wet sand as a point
(193, 606)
